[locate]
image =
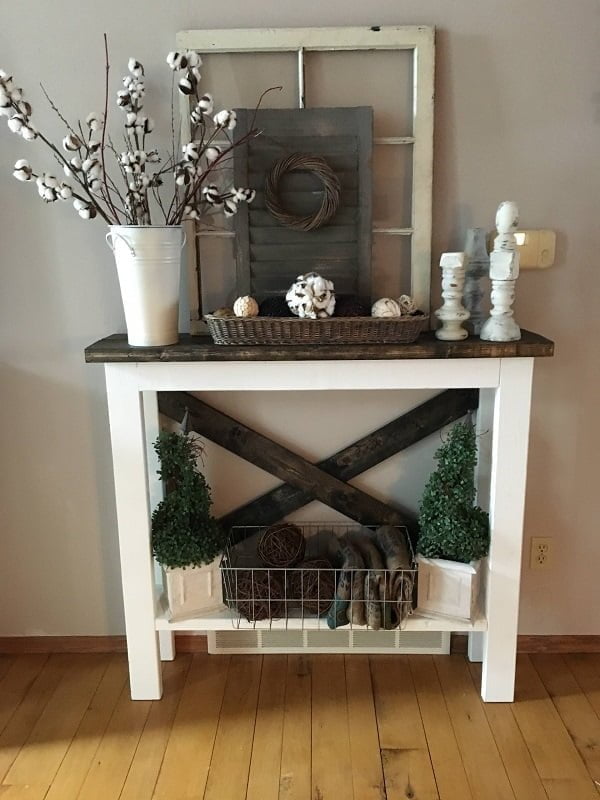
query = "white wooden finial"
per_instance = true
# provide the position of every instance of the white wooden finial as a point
(504, 271)
(452, 314)
(477, 268)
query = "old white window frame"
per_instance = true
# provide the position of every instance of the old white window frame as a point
(418, 39)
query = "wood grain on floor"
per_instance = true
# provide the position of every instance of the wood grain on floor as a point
(298, 728)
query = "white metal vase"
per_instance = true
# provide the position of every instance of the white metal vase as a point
(148, 259)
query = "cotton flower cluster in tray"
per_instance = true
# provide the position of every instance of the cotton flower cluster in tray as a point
(129, 190)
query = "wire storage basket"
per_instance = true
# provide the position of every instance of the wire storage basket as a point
(350, 575)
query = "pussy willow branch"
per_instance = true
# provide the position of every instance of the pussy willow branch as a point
(54, 108)
(117, 219)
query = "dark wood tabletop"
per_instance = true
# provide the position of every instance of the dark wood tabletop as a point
(114, 349)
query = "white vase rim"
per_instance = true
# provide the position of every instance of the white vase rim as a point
(141, 227)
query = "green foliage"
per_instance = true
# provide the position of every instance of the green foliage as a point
(183, 531)
(451, 526)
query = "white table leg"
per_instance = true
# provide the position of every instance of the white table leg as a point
(166, 644)
(128, 438)
(166, 639)
(510, 441)
(483, 428)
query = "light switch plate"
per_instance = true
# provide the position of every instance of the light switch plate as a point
(537, 248)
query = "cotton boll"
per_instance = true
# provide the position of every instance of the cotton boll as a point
(193, 59)
(15, 123)
(174, 60)
(408, 307)
(212, 153)
(24, 108)
(244, 195)
(65, 191)
(28, 133)
(50, 181)
(71, 142)
(211, 194)
(16, 95)
(311, 296)
(185, 86)
(190, 213)
(123, 99)
(135, 67)
(191, 151)
(94, 121)
(229, 207)
(225, 119)
(89, 164)
(206, 103)
(79, 205)
(22, 171)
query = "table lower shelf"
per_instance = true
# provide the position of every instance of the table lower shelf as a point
(227, 620)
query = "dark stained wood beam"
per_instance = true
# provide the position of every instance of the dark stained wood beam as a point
(114, 349)
(278, 460)
(360, 456)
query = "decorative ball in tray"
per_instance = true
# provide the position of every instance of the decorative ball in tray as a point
(281, 545)
(307, 315)
(311, 585)
(259, 594)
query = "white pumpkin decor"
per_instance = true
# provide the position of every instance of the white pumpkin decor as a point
(245, 307)
(311, 296)
(386, 307)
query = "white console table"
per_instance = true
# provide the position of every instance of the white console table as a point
(501, 370)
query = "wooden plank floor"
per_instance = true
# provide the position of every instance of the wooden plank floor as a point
(298, 728)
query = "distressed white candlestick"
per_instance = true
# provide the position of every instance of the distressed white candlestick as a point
(504, 271)
(477, 268)
(452, 314)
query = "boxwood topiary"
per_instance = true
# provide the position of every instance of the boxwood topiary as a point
(183, 531)
(450, 524)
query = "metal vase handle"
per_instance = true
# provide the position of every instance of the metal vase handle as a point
(111, 234)
(109, 241)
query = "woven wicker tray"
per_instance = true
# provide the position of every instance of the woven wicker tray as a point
(333, 330)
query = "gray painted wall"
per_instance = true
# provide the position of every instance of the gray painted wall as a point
(518, 116)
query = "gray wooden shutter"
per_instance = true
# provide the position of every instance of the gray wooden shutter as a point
(269, 256)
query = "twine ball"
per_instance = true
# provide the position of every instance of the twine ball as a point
(223, 312)
(275, 306)
(349, 305)
(311, 296)
(245, 307)
(259, 594)
(385, 307)
(312, 586)
(281, 545)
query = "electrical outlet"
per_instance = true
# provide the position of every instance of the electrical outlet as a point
(541, 552)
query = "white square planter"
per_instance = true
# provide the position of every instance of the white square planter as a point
(194, 591)
(449, 588)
